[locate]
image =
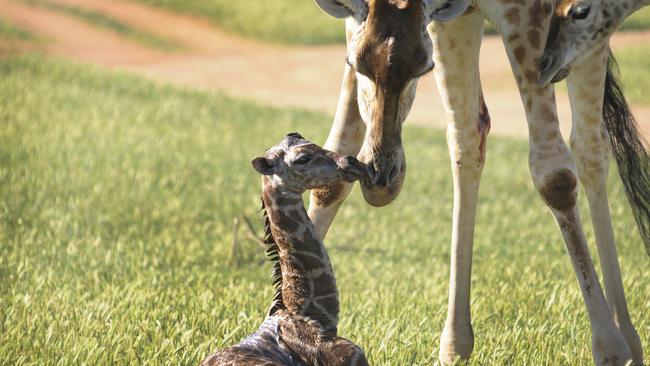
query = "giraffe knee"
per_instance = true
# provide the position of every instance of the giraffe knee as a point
(559, 189)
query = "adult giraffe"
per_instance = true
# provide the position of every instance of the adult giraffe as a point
(388, 49)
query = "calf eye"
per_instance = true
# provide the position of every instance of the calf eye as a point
(580, 11)
(302, 159)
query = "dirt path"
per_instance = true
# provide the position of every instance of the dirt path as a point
(305, 77)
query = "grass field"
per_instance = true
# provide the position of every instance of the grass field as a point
(638, 21)
(117, 198)
(294, 22)
(104, 21)
(12, 32)
(634, 63)
(283, 21)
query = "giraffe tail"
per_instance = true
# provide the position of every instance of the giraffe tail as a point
(628, 149)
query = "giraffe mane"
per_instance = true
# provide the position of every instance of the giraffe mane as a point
(273, 253)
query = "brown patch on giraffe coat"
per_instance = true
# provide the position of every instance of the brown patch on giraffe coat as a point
(580, 251)
(512, 16)
(538, 12)
(547, 114)
(329, 195)
(286, 201)
(520, 54)
(531, 75)
(559, 190)
(283, 222)
(513, 2)
(451, 44)
(534, 38)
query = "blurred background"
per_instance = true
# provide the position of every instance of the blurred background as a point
(282, 53)
(126, 132)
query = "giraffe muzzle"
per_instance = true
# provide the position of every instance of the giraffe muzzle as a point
(551, 70)
(352, 169)
(384, 181)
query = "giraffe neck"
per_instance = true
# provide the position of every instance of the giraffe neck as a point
(308, 285)
(628, 7)
(638, 4)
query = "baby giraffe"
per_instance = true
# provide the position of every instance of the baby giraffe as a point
(300, 328)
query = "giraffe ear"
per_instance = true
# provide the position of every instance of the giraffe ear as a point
(444, 10)
(342, 8)
(263, 166)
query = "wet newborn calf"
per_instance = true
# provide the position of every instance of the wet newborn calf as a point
(301, 326)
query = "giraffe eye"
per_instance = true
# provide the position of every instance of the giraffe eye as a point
(580, 11)
(302, 159)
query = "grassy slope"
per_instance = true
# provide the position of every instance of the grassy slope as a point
(10, 31)
(293, 22)
(104, 21)
(117, 199)
(281, 21)
(638, 21)
(634, 63)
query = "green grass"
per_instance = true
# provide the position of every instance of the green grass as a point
(295, 22)
(638, 21)
(279, 21)
(10, 31)
(634, 67)
(117, 198)
(634, 63)
(102, 20)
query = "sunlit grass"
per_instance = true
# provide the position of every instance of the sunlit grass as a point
(634, 63)
(117, 199)
(100, 19)
(638, 21)
(634, 73)
(296, 22)
(9, 31)
(280, 21)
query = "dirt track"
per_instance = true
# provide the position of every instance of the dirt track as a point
(306, 77)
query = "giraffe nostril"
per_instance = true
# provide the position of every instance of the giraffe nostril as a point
(372, 173)
(392, 173)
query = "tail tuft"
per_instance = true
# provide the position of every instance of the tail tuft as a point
(629, 151)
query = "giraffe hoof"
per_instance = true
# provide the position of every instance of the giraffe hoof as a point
(611, 350)
(455, 342)
(633, 341)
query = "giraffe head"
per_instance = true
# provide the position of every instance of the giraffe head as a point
(579, 27)
(296, 165)
(389, 49)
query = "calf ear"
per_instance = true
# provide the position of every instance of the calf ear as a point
(444, 10)
(264, 166)
(342, 8)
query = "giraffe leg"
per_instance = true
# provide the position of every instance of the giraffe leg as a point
(456, 49)
(345, 137)
(591, 149)
(554, 172)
